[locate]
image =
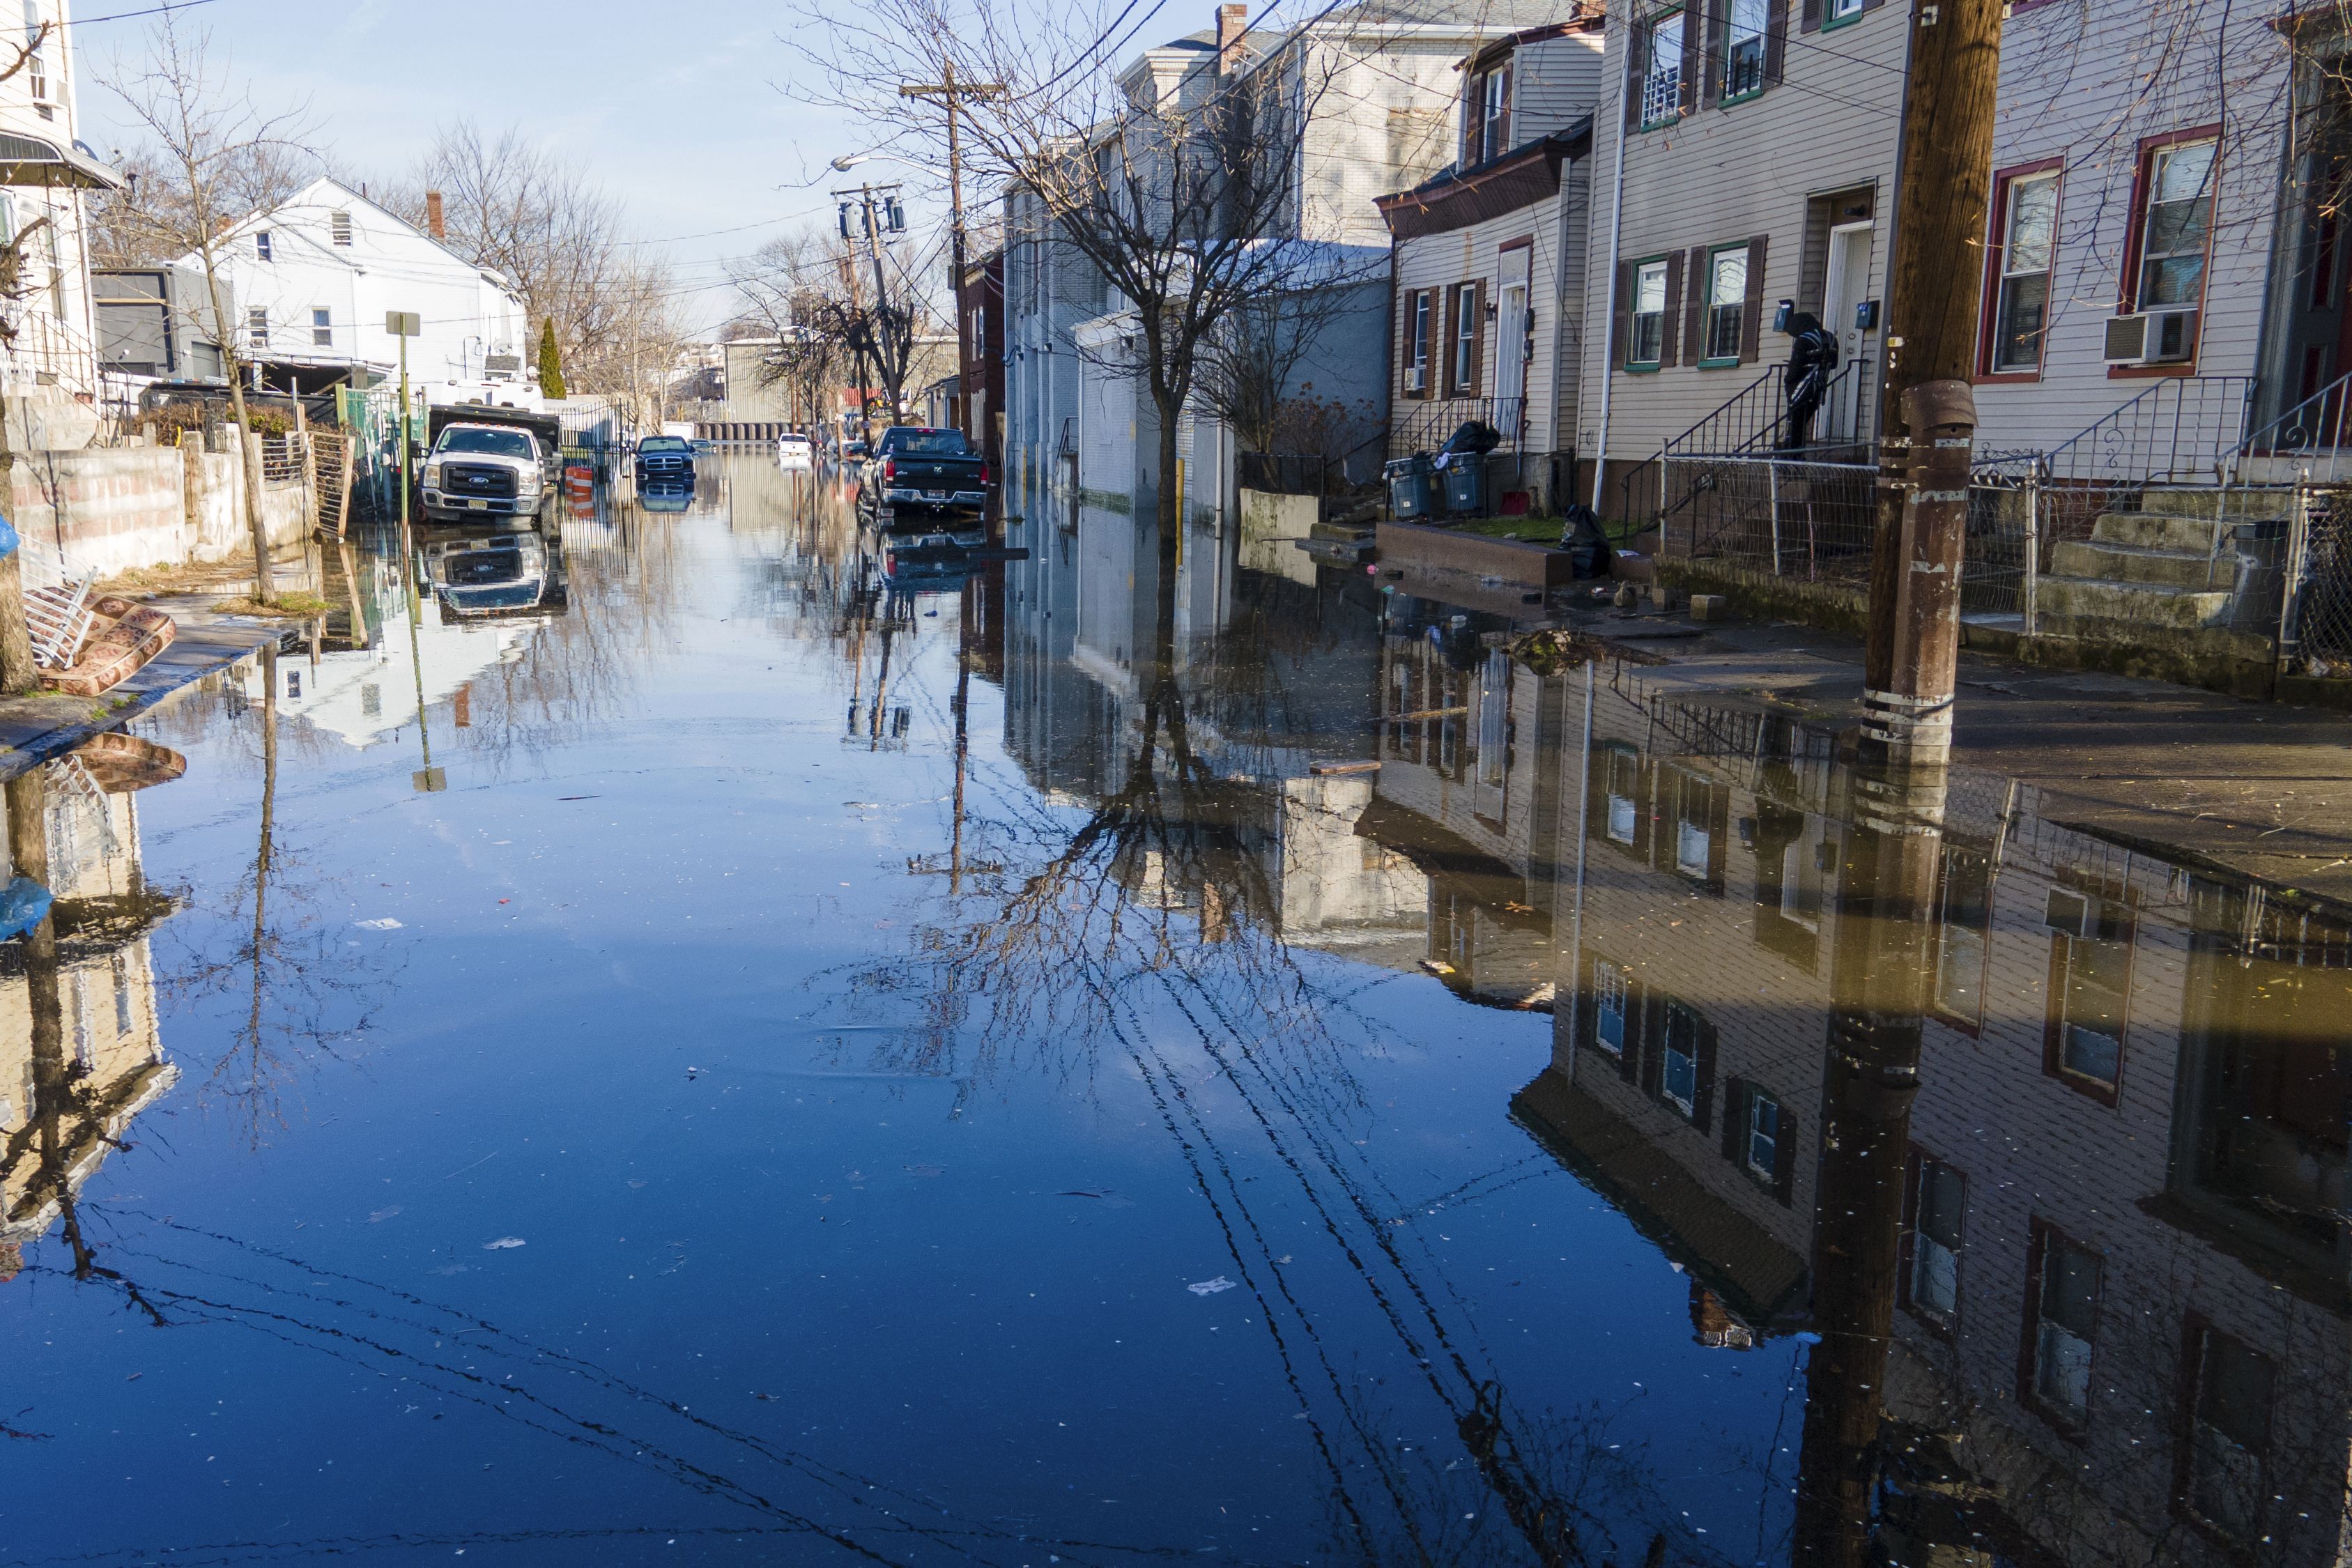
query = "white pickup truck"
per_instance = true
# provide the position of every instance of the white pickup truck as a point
(482, 470)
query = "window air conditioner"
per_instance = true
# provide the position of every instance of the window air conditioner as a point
(1416, 378)
(2152, 337)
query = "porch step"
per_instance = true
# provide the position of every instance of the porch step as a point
(2198, 536)
(2238, 504)
(2097, 560)
(2141, 606)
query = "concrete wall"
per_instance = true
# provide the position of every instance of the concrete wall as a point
(113, 509)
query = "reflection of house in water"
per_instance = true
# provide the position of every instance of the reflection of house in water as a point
(365, 693)
(2119, 1308)
(1468, 789)
(65, 1101)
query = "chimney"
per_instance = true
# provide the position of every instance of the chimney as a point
(433, 223)
(1232, 21)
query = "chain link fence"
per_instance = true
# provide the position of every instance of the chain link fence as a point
(1781, 517)
(2319, 613)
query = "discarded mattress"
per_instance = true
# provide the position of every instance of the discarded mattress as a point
(125, 636)
(118, 763)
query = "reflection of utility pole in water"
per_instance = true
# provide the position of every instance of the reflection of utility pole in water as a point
(1880, 965)
(881, 693)
(263, 854)
(28, 848)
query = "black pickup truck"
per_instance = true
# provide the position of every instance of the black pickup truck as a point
(916, 467)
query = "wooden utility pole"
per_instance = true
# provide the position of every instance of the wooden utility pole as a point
(948, 90)
(1927, 416)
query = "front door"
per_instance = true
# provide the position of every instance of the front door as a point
(1844, 287)
(1511, 324)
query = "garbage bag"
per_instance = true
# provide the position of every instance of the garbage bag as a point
(1587, 546)
(1474, 435)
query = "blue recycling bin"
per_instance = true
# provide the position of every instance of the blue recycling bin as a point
(1412, 492)
(1463, 477)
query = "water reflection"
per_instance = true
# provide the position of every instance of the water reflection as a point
(1077, 1051)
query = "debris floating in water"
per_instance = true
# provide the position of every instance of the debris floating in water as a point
(386, 923)
(1211, 1287)
(502, 1243)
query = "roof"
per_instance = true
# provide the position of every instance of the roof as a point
(1755, 1273)
(1459, 198)
(1476, 59)
(333, 195)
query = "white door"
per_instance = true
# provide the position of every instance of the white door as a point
(1511, 343)
(1846, 287)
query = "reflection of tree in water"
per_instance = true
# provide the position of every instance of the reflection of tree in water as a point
(295, 992)
(1161, 894)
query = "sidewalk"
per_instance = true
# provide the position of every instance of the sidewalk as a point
(2259, 787)
(34, 728)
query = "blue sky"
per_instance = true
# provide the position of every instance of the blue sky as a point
(686, 110)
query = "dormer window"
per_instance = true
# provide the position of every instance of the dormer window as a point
(261, 243)
(1486, 115)
(36, 68)
(339, 227)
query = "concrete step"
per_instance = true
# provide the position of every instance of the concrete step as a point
(1342, 533)
(2094, 559)
(2162, 530)
(2237, 503)
(2141, 605)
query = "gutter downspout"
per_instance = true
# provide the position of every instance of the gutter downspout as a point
(1560, 320)
(1608, 345)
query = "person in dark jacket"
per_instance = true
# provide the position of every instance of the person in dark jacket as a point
(1812, 354)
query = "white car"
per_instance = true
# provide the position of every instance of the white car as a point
(794, 450)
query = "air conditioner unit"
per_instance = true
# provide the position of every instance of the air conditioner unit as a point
(1416, 378)
(2152, 337)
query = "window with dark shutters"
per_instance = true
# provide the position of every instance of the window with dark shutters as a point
(1694, 308)
(1637, 60)
(1670, 351)
(1478, 380)
(1693, 58)
(1776, 42)
(1751, 326)
(1620, 320)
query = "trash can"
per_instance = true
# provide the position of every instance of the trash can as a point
(1463, 476)
(1410, 492)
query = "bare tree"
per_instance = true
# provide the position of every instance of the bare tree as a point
(216, 147)
(1178, 193)
(541, 223)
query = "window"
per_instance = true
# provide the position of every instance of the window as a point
(1678, 1073)
(1726, 304)
(322, 329)
(2179, 195)
(1760, 1144)
(1646, 343)
(256, 328)
(1467, 327)
(1619, 788)
(1833, 11)
(1416, 374)
(1662, 81)
(261, 243)
(339, 227)
(2230, 1394)
(1608, 1007)
(2028, 209)
(1699, 815)
(1486, 127)
(2063, 1311)
(2090, 979)
(36, 68)
(1964, 918)
(1931, 1275)
(1743, 48)
(123, 1014)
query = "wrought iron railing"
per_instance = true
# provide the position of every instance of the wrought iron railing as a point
(2307, 438)
(1751, 423)
(1425, 426)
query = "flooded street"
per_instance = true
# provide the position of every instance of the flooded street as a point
(769, 1048)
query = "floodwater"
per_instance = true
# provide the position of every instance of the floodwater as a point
(760, 1048)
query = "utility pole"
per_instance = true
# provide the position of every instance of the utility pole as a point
(893, 375)
(1927, 416)
(948, 90)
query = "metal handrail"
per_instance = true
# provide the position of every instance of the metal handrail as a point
(2315, 423)
(2156, 437)
(58, 610)
(1427, 428)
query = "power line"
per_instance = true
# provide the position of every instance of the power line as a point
(126, 16)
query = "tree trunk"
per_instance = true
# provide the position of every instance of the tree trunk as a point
(18, 675)
(264, 590)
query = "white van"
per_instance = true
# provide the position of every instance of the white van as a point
(795, 450)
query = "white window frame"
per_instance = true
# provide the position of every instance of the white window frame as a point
(1722, 315)
(322, 327)
(1654, 359)
(2012, 274)
(1759, 1099)
(257, 327)
(263, 247)
(1662, 86)
(1462, 357)
(2160, 162)
(1416, 375)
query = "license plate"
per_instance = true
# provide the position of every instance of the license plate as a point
(935, 495)
(479, 504)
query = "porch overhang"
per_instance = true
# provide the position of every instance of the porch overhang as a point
(1518, 179)
(30, 160)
